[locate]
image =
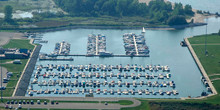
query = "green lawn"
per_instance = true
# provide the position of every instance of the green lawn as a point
(19, 43)
(211, 63)
(144, 106)
(6, 60)
(213, 38)
(16, 68)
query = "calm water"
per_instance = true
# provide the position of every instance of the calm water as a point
(164, 47)
(205, 5)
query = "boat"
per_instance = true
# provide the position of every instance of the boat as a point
(143, 31)
(119, 91)
(147, 92)
(140, 92)
(125, 92)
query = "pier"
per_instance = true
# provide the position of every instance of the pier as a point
(82, 55)
(57, 59)
(135, 45)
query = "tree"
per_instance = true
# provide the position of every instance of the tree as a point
(8, 13)
(177, 20)
(188, 10)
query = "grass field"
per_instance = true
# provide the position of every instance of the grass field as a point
(19, 43)
(144, 106)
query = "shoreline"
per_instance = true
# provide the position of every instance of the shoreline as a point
(202, 70)
(52, 29)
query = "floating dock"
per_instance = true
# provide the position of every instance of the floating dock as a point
(135, 45)
(82, 55)
(79, 79)
(57, 59)
(96, 46)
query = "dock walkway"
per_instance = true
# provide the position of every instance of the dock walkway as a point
(135, 45)
(83, 55)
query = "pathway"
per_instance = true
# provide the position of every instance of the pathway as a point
(96, 43)
(200, 66)
(135, 45)
(208, 44)
(215, 79)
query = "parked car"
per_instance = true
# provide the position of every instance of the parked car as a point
(6, 106)
(45, 102)
(24, 102)
(20, 102)
(28, 102)
(32, 102)
(19, 106)
(12, 101)
(38, 101)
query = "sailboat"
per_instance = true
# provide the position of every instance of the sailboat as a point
(143, 31)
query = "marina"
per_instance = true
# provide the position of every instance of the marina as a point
(102, 79)
(164, 50)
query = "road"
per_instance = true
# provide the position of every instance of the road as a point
(77, 105)
(4, 75)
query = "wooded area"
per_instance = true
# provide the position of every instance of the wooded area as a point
(157, 11)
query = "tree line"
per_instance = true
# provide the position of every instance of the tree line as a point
(157, 11)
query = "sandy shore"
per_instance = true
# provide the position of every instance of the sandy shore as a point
(6, 36)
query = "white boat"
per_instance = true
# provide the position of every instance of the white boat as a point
(140, 92)
(119, 91)
(147, 92)
(125, 92)
(112, 91)
(143, 31)
(105, 91)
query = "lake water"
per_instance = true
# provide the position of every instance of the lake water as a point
(164, 48)
(205, 5)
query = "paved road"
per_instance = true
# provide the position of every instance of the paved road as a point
(26, 75)
(79, 105)
(4, 75)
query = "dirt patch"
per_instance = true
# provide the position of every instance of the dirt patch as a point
(6, 36)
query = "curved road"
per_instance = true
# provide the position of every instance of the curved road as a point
(77, 105)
